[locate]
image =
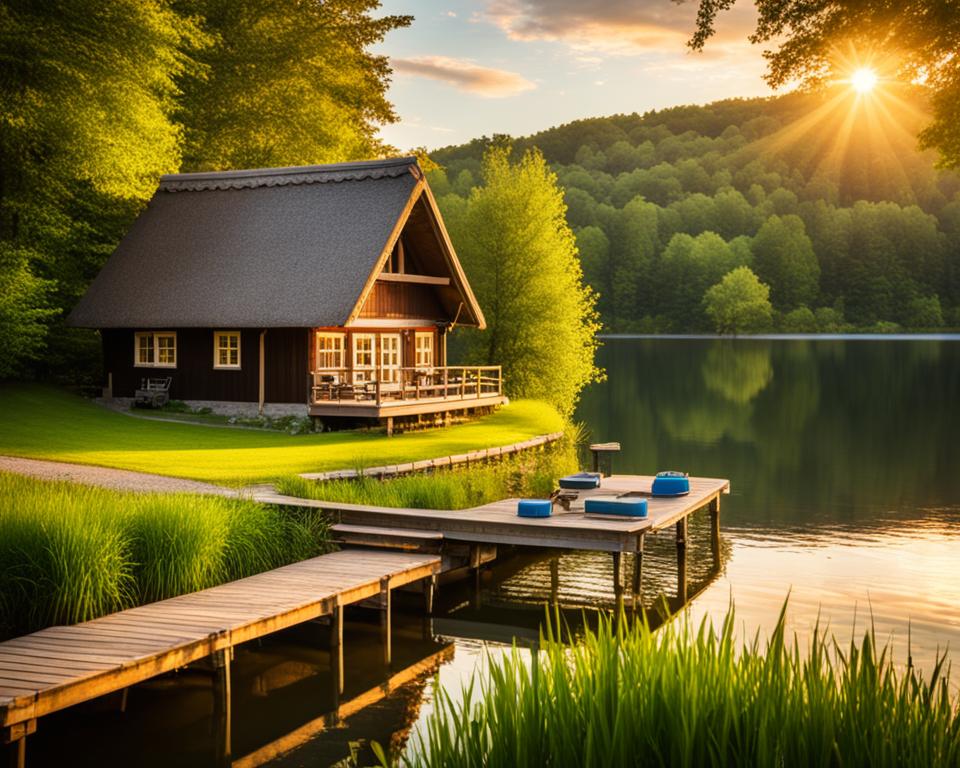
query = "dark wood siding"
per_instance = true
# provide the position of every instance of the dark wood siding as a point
(195, 378)
(403, 301)
(287, 357)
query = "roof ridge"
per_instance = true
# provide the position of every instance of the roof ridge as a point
(290, 175)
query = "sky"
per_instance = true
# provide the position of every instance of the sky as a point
(467, 69)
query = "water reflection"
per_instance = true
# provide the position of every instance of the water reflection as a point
(845, 470)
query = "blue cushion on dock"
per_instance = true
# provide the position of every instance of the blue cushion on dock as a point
(627, 506)
(670, 484)
(581, 481)
(534, 508)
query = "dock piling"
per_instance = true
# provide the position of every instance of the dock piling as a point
(618, 579)
(715, 533)
(638, 575)
(16, 736)
(385, 621)
(221, 706)
(682, 560)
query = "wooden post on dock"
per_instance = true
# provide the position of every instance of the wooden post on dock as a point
(221, 706)
(385, 627)
(638, 575)
(16, 736)
(618, 579)
(336, 652)
(554, 580)
(682, 560)
(715, 533)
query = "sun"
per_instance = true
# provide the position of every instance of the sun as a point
(864, 80)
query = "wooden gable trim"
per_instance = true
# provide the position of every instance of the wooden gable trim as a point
(459, 278)
(387, 249)
(446, 246)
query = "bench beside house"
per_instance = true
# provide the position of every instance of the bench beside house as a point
(326, 291)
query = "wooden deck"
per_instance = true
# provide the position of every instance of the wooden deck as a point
(57, 667)
(497, 523)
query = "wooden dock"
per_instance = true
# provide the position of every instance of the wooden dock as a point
(58, 667)
(498, 523)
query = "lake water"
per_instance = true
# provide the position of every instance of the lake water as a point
(844, 460)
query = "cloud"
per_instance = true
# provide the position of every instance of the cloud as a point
(625, 27)
(465, 75)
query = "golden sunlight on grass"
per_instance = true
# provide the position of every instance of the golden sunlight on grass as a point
(864, 80)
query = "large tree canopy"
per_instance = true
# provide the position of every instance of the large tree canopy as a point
(285, 82)
(914, 40)
(521, 258)
(98, 99)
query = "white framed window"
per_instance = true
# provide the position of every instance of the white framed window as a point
(329, 350)
(424, 350)
(390, 357)
(155, 349)
(226, 349)
(363, 344)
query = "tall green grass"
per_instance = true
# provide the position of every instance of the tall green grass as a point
(70, 553)
(533, 474)
(695, 697)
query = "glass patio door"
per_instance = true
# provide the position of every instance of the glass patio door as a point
(390, 357)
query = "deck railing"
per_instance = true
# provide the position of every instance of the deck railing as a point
(395, 385)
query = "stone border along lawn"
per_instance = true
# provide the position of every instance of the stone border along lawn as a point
(42, 422)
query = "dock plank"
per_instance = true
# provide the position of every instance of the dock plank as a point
(60, 666)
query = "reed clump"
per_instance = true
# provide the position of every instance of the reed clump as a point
(70, 553)
(532, 475)
(682, 696)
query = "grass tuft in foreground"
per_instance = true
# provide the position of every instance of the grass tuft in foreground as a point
(687, 697)
(531, 475)
(70, 553)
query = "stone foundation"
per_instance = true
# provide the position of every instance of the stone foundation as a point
(228, 408)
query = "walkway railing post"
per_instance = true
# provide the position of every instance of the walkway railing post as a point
(638, 575)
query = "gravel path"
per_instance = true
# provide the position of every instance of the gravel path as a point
(105, 477)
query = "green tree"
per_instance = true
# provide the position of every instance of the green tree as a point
(688, 266)
(521, 258)
(739, 303)
(807, 37)
(87, 92)
(783, 258)
(800, 320)
(286, 82)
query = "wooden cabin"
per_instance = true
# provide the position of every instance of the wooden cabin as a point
(326, 291)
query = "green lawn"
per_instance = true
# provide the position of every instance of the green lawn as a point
(46, 423)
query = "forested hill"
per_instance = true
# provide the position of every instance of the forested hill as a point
(825, 197)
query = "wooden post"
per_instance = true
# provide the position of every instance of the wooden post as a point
(221, 706)
(389, 424)
(617, 580)
(16, 736)
(638, 575)
(336, 652)
(554, 579)
(682, 560)
(479, 379)
(429, 593)
(715, 532)
(385, 628)
(263, 376)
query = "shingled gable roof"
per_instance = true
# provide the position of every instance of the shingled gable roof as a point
(268, 248)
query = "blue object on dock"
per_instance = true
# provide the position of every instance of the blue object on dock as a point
(625, 506)
(582, 481)
(534, 508)
(671, 484)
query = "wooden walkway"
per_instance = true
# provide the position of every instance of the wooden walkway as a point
(427, 465)
(57, 667)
